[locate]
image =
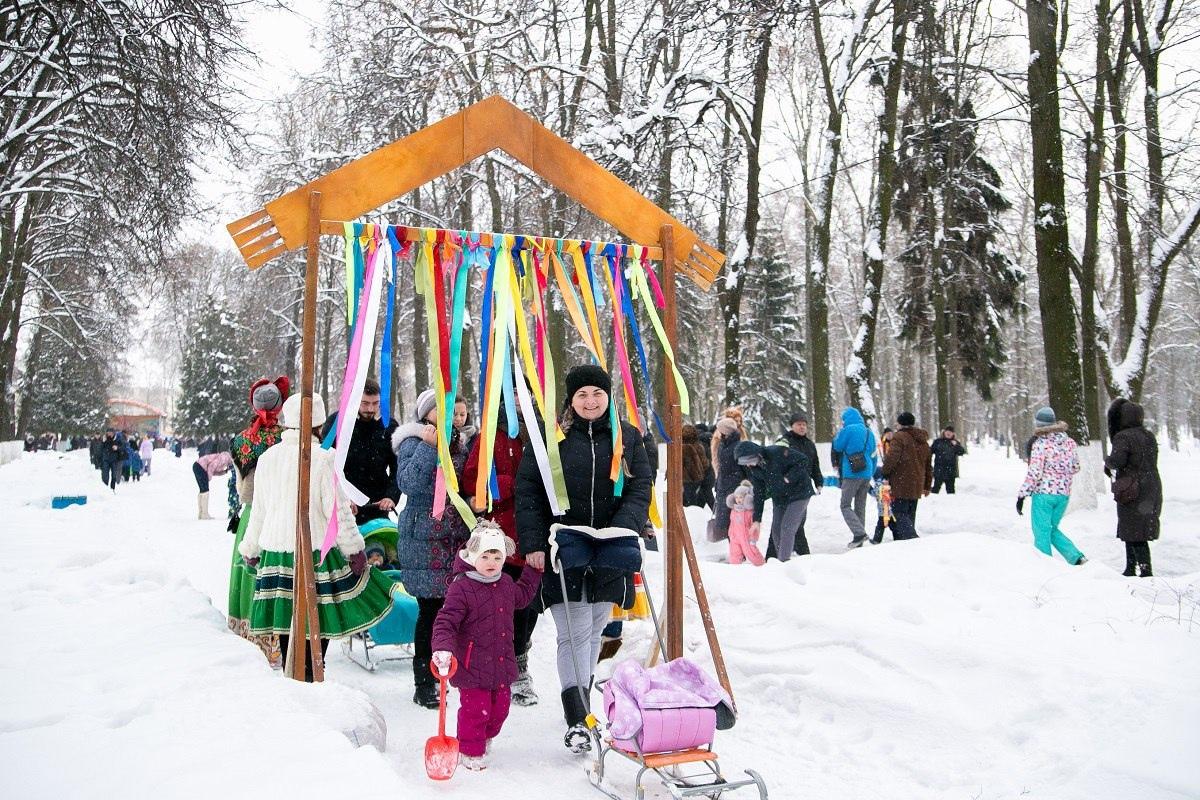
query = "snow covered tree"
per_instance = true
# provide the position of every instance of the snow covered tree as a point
(774, 353)
(948, 202)
(65, 386)
(215, 375)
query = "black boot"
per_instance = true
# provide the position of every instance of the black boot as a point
(578, 739)
(427, 695)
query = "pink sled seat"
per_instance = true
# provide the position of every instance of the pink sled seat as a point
(666, 730)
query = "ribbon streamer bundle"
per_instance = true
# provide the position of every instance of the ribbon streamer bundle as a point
(516, 366)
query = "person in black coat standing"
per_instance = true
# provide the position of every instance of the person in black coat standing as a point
(595, 540)
(796, 437)
(784, 476)
(946, 451)
(370, 461)
(1137, 488)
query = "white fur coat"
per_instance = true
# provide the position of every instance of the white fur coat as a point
(272, 523)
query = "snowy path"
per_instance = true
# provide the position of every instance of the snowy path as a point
(963, 665)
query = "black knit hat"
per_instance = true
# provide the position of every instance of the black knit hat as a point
(906, 419)
(587, 375)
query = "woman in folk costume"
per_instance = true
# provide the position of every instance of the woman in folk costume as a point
(596, 540)
(266, 398)
(351, 597)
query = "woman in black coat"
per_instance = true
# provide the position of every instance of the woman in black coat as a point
(1137, 487)
(596, 539)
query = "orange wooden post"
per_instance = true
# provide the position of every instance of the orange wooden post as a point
(676, 525)
(305, 622)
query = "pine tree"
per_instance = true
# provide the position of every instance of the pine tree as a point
(961, 284)
(216, 374)
(65, 389)
(775, 352)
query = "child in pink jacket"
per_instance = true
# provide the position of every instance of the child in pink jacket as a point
(476, 626)
(741, 515)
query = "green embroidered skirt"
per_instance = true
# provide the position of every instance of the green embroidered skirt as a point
(346, 603)
(241, 577)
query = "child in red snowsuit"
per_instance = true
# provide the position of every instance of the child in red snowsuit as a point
(476, 626)
(741, 514)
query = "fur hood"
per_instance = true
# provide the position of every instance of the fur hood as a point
(1123, 414)
(1046, 430)
(409, 430)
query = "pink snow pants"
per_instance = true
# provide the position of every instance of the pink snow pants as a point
(481, 714)
(741, 547)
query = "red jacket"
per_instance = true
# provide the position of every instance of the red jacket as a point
(476, 625)
(504, 508)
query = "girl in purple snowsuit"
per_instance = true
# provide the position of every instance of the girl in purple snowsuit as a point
(476, 626)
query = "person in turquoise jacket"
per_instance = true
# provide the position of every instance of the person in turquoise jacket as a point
(853, 454)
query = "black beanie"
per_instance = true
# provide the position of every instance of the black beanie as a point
(906, 419)
(587, 375)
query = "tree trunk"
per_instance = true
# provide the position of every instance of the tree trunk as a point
(1054, 257)
(859, 370)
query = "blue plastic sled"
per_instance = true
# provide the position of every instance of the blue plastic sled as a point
(397, 629)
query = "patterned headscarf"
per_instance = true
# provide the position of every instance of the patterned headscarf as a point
(265, 429)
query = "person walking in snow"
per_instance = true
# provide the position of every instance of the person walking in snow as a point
(946, 452)
(427, 545)
(506, 459)
(908, 469)
(475, 626)
(796, 437)
(146, 451)
(783, 476)
(596, 541)
(697, 469)
(353, 597)
(112, 451)
(1137, 488)
(728, 433)
(743, 546)
(265, 431)
(1053, 462)
(205, 468)
(853, 456)
(881, 490)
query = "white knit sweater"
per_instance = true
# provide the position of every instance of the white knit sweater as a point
(272, 523)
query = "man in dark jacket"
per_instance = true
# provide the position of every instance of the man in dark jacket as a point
(112, 454)
(370, 461)
(783, 475)
(946, 450)
(909, 471)
(1138, 487)
(796, 437)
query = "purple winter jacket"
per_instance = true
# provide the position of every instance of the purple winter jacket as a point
(476, 625)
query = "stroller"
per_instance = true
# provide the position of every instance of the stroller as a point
(397, 629)
(664, 720)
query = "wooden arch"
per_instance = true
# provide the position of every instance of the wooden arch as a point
(393, 171)
(295, 219)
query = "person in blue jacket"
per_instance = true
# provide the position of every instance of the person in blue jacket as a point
(853, 455)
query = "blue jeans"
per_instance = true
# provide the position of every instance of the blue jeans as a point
(1048, 510)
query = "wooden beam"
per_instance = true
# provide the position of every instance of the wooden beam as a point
(676, 525)
(413, 234)
(305, 621)
(394, 170)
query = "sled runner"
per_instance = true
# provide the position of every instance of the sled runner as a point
(397, 629)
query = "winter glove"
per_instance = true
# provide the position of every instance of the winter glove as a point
(252, 563)
(1107, 472)
(358, 562)
(441, 661)
(1021, 506)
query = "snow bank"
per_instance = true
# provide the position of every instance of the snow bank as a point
(10, 451)
(961, 665)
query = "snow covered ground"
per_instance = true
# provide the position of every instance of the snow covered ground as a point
(963, 665)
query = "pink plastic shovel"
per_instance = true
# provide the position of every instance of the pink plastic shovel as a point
(441, 751)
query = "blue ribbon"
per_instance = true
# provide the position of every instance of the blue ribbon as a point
(485, 328)
(385, 352)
